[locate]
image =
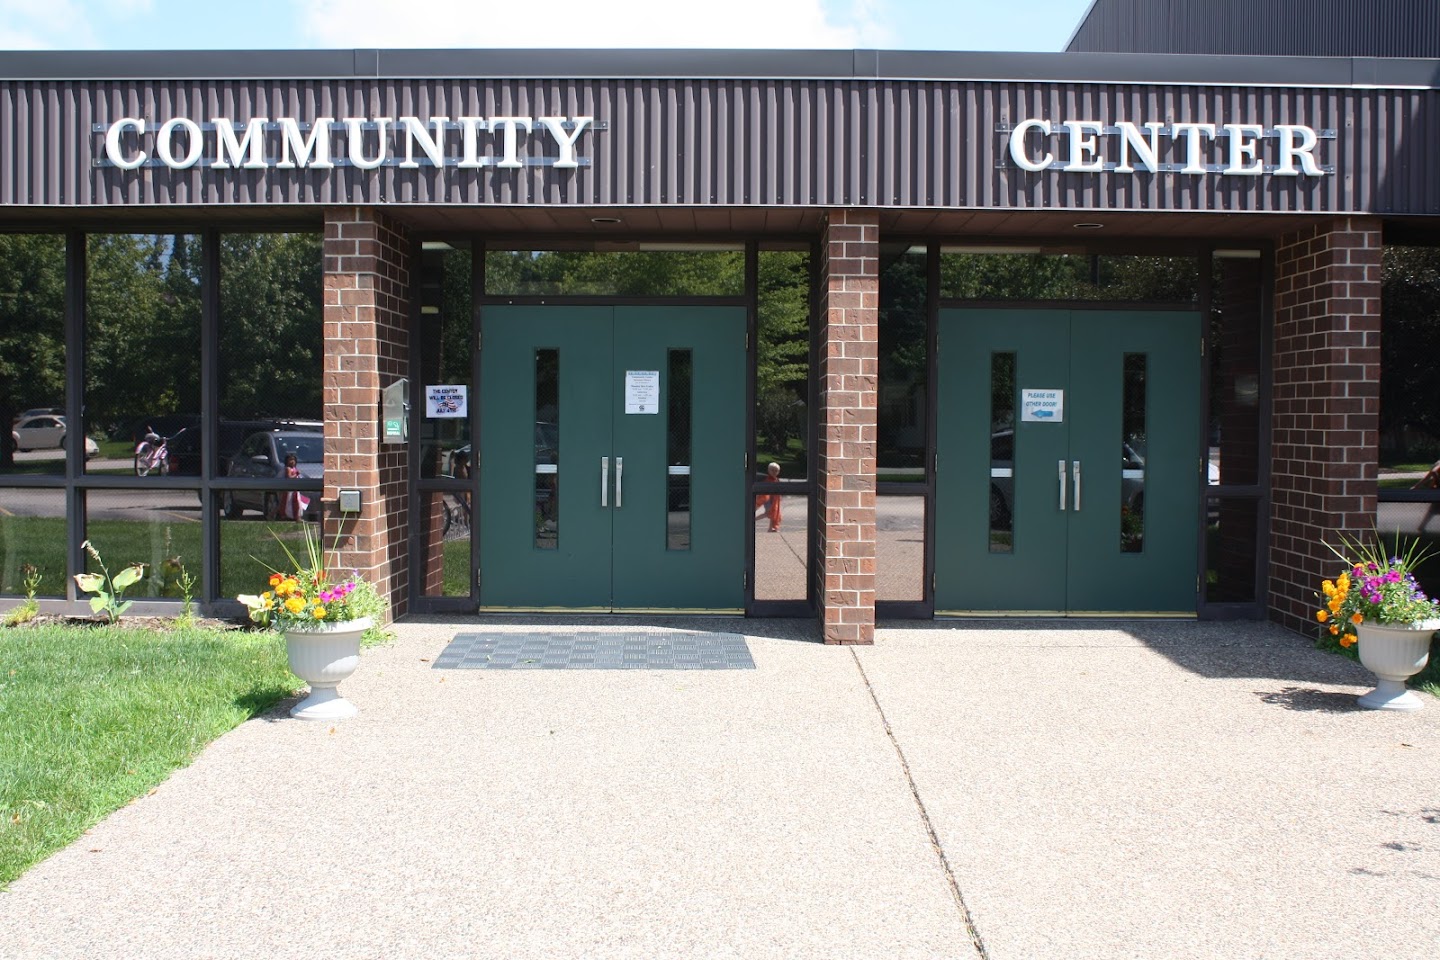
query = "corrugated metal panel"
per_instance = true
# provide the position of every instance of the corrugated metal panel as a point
(1304, 28)
(811, 143)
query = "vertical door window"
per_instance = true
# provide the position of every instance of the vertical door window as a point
(1132, 443)
(547, 449)
(677, 453)
(1002, 453)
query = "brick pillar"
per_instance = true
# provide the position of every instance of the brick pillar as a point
(1327, 406)
(849, 370)
(367, 287)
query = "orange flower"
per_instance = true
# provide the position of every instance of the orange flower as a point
(1356, 618)
(1347, 641)
(1321, 615)
(275, 579)
(1334, 629)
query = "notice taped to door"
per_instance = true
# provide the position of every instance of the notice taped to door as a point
(642, 391)
(1042, 406)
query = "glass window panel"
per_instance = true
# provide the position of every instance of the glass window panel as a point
(782, 555)
(271, 338)
(1409, 363)
(629, 273)
(903, 358)
(32, 541)
(159, 528)
(1002, 452)
(252, 548)
(1231, 539)
(445, 355)
(1132, 455)
(900, 548)
(1035, 275)
(32, 352)
(782, 361)
(547, 449)
(679, 382)
(142, 351)
(1415, 522)
(445, 564)
(1235, 355)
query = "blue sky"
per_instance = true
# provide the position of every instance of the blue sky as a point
(1026, 25)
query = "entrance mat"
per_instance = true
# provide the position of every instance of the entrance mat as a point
(596, 651)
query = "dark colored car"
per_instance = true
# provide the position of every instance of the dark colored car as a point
(262, 455)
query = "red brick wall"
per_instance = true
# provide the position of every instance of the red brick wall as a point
(1327, 405)
(367, 284)
(849, 365)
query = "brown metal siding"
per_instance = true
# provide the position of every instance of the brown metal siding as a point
(809, 143)
(1303, 28)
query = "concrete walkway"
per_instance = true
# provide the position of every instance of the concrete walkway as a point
(1005, 791)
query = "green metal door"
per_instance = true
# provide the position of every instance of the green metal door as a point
(1069, 461)
(612, 457)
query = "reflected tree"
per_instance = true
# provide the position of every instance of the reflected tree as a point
(32, 327)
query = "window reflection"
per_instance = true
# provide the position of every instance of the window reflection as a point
(32, 541)
(158, 528)
(782, 556)
(547, 449)
(900, 548)
(32, 352)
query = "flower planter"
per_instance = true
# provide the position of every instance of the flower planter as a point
(1394, 653)
(323, 655)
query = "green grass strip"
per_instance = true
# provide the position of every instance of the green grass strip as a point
(93, 717)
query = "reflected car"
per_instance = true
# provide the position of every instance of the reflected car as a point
(262, 456)
(38, 412)
(45, 432)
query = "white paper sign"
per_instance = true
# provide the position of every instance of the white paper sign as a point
(444, 401)
(642, 391)
(1042, 406)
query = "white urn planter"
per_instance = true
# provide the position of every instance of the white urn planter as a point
(323, 655)
(1394, 653)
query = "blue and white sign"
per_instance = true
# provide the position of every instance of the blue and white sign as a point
(1042, 406)
(445, 401)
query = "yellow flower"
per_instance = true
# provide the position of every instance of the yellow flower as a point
(1343, 582)
(269, 604)
(1334, 605)
(294, 604)
(1334, 629)
(1356, 618)
(319, 612)
(266, 595)
(1322, 616)
(1328, 588)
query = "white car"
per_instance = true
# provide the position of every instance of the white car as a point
(44, 433)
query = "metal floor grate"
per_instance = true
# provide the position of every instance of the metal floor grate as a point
(596, 651)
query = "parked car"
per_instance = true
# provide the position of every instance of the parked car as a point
(45, 432)
(38, 412)
(262, 455)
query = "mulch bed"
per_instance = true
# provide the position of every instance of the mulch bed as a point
(133, 623)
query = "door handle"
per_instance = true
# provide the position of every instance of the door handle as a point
(604, 481)
(1061, 471)
(619, 482)
(1076, 466)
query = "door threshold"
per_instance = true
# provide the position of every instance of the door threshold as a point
(621, 611)
(1063, 615)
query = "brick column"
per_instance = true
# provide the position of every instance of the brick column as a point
(848, 374)
(1326, 408)
(367, 287)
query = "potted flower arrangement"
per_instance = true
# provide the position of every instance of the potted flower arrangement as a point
(1377, 603)
(323, 615)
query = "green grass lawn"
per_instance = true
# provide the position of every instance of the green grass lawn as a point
(93, 717)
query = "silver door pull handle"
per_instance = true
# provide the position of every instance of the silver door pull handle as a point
(604, 481)
(1077, 484)
(619, 482)
(1061, 471)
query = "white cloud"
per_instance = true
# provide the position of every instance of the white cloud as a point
(43, 25)
(798, 24)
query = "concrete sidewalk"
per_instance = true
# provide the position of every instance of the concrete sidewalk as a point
(1155, 790)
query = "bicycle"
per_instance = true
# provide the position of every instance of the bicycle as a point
(152, 454)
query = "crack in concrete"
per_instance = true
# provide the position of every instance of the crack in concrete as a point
(954, 885)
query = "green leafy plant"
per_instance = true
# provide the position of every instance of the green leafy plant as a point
(310, 593)
(1377, 586)
(186, 581)
(108, 590)
(30, 607)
